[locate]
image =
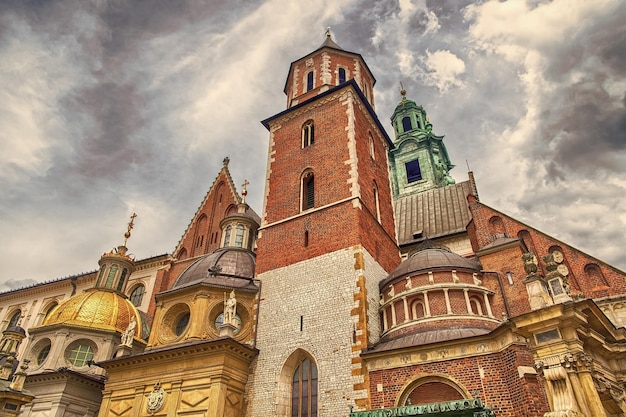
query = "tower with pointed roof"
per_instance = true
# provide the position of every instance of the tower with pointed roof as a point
(326, 238)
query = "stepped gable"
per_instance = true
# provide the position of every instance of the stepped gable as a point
(416, 213)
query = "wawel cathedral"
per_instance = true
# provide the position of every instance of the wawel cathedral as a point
(371, 284)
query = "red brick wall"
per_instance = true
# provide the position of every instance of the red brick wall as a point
(335, 227)
(481, 234)
(501, 387)
(204, 234)
(337, 59)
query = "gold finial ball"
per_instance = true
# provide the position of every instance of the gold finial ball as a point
(403, 92)
(127, 234)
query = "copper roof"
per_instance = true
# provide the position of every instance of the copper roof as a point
(437, 212)
(428, 337)
(429, 260)
(228, 267)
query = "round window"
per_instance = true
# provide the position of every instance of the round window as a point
(43, 354)
(80, 354)
(181, 324)
(219, 320)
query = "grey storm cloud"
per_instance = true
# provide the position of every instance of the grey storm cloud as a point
(114, 106)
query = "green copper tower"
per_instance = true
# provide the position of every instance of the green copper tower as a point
(419, 161)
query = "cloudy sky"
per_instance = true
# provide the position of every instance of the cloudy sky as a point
(114, 106)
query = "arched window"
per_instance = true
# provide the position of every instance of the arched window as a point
(476, 306)
(406, 124)
(122, 281)
(227, 235)
(497, 226)
(377, 202)
(182, 254)
(342, 75)
(308, 134)
(524, 236)
(15, 318)
(308, 190)
(431, 389)
(239, 236)
(595, 276)
(111, 276)
(48, 310)
(136, 297)
(309, 81)
(304, 390)
(371, 145)
(417, 308)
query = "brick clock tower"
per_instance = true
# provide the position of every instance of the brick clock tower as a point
(327, 238)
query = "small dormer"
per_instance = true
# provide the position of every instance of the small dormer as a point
(327, 67)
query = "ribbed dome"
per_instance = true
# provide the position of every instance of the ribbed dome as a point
(96, 308)
(430, 259)
(230, 267)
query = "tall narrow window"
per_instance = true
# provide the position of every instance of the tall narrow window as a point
(308, 134)
(342, 75)
(413, 172)
(371, 144)
(309, 81)
(120, 284)
(406, 124)
(304, 390)
(136, 297)
(111, 276)
(377, 202)
(227, 236)
(239, 236)
(308, 190)
(306, 238)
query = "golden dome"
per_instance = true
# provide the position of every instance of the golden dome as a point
(96, 308)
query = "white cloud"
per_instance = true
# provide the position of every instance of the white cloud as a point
(443, 70)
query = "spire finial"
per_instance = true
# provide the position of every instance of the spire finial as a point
(402, 92)
(131, 224)
(328, 34)
(244, 191)
(226, 161)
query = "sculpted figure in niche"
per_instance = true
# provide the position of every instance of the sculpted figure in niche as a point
(127, 336)
(230, 309)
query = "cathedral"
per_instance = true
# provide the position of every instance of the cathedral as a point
(370, 284)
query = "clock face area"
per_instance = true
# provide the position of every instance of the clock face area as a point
(219, 320)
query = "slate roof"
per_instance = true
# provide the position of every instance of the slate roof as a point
(437, 212)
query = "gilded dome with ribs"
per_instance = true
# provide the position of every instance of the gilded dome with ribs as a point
(95, 308)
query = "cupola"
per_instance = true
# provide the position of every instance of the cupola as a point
(117, 265)
(239, 229)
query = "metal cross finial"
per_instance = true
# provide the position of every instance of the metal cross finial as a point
(328, 32)
(131, 224)
(244, 191)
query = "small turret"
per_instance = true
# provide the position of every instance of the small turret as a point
(419, 161)
(117, 265)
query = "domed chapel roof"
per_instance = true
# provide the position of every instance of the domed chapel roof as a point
(95, 308)
(430, 259)
(230, 267)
